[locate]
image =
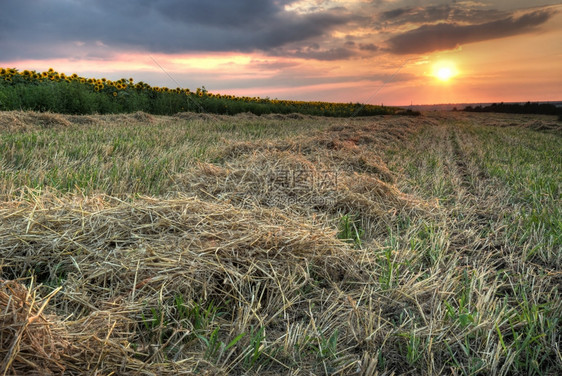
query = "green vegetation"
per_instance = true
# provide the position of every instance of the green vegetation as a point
(516, 108)
(116, 155)
(56, 92)
(350, 230)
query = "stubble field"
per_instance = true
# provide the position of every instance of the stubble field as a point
(280, 244)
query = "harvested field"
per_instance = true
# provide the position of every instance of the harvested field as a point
(164, 245)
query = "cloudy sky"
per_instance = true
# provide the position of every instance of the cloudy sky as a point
(394, 52)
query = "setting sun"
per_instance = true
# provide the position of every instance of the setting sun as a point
(444, 71)
(444, 74)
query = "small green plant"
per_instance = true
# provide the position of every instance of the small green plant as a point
(414, 347)
(215, 348)
(390, 270)
(327, 347)
(256, 348)
(350, 231)
(195, 316)
(154, 320)
(464, 313)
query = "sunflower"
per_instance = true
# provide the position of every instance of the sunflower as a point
(114, 93)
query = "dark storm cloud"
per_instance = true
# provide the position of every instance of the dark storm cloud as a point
(445, 36)
(85, 29)
(244, 14)
(443, 12)
(368, 47)
(50, 28)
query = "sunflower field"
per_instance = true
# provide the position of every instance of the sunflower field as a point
(71, 94)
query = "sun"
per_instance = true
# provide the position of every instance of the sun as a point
(444, 74)
(444, 71)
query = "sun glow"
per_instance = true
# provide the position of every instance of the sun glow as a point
(444, 71)
(444, 74)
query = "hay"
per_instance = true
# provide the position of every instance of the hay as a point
(36, 343)
(28, 120)
(47, 120)
(12, 121)
(120, 119)
(31, 342)
(543, 126)
(347, 152)
(196, 116)
(143, 117)
(236, 235)
(118, 258)
(160, 285)
(246, 116)
(83, 119)
(291, 116)
(293, 183)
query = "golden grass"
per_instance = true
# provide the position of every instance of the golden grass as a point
(120, 256)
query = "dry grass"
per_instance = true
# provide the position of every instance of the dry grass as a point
(18, 121)
(297, 185)
(121, 259)
(24, 120)
(236, 268)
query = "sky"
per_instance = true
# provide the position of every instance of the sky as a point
(391, 52)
